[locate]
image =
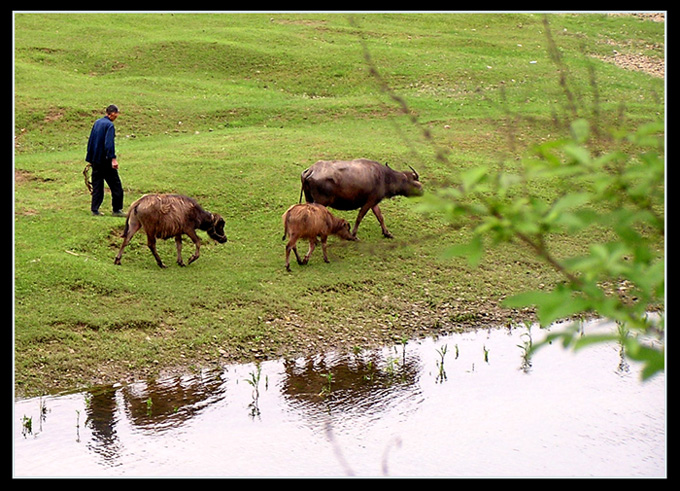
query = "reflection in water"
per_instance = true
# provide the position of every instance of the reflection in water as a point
(159, 405)
(472, 404)
(101, 419)
(150, 407)
(359, 383)
(331, 389)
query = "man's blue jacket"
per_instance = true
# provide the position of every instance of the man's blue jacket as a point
(101, 148)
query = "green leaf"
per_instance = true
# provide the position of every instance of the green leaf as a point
(580, 130)
(550, 306)
(473, 177)
(567, 202)
(649, 134)
(578, 153)
(473, 250)
(653, 359)
(505, 181)
(589, 339)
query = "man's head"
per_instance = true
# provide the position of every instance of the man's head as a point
(112, 112)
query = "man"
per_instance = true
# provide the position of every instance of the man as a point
(101, 154)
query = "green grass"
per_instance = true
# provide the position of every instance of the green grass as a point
(229, 109)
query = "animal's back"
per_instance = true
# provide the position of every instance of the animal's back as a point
(163, 215)
(305, 219)
(162, 204)
(341, 169)
(341, 184)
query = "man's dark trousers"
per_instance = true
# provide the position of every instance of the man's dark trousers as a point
(101, 173)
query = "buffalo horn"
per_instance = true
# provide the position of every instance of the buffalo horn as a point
(416, 174)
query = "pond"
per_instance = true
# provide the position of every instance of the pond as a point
(464, 405)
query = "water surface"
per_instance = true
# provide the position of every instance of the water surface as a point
(392, 412)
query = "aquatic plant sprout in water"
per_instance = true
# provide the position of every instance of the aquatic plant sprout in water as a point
(367, 413)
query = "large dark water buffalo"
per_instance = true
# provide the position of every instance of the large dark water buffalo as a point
(357, 184)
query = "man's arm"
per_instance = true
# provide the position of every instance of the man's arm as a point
(109, 142)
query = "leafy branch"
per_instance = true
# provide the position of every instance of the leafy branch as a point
(619, 192)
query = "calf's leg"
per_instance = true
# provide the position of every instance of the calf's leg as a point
(312, 245)
(291, 246)
(323, 248)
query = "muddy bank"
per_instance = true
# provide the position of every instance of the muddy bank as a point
(294, 335)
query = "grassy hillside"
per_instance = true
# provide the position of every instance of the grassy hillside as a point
(229, 109)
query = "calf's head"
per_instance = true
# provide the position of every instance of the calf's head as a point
(342, 229)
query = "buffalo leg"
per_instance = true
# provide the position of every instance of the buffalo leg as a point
(323, 248)
(378, 215)
(288, 257)
(291, 246)
(364, 209)
(178, 245)
(132, 230)
(151, 244)
(312, 245)
(197, 242)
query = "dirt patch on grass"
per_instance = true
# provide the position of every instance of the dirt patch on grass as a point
(651, 65)
(653, 16)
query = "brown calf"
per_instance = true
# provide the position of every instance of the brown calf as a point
(309, 221)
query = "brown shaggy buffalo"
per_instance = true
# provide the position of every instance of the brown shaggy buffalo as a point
(170, 215)
(357, 184)
(309, 221)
